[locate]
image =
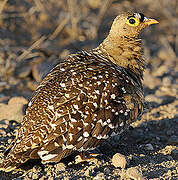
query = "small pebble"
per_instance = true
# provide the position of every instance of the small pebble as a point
(60, 167)
(149, 147)
(13, 110)
(169, 158)
(35, 176)
(107, 170)
(134, 173)
(174, 153)
(158, 138)
(119, 160)
(173, 140)
(17, 100)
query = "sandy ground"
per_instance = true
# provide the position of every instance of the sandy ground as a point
(36, 35)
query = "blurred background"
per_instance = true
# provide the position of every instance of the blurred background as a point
(35, 35)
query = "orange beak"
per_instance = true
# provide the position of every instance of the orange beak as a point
(150, 21)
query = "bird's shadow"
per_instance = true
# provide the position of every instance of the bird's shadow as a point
(131, 142)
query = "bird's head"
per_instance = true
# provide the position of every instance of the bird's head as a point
(130, 24)
(123, 46)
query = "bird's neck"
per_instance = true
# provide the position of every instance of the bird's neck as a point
(125, 52)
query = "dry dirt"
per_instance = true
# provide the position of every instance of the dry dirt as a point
(36, 35)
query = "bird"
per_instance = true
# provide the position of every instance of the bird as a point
(83, 101)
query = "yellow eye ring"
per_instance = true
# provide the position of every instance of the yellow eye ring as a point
(133, 21)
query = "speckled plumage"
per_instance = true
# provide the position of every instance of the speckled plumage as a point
(83, 101)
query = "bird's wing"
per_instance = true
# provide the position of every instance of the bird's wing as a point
(77, 105)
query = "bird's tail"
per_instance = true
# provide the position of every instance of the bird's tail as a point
(8, 164)
(15, 159)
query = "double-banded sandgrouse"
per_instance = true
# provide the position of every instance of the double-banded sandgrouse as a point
(85, 100)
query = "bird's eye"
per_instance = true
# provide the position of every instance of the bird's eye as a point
(133, 21)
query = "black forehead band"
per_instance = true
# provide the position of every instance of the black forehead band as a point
(141, 17)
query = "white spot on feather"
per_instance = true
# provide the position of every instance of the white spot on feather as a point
(62, 69)
(95, 104)
(75, 106)
(79, 139)
(48, 157)
(67, 95)
(90, 68)
(106, 101)
(121, 111)
(113, 96)
(56, 144)
(71, 125)
(97, 92)
(79, 128)
(85, 134)
(41, 153)
(123, 89)
(99, 137)
(61, 129)
(53, 126)
(63, 85)
(98, 82)
(85, 139)
(63, 147)
(73, 120)
(121, 124)
(105, 137)
(70, 136)
(101, 122)
(85, 123)
(111, 126)
(116, 113)
(69, 146)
